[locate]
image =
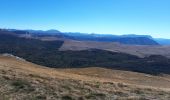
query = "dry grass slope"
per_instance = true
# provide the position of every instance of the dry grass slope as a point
(21, 80)
(138, 50)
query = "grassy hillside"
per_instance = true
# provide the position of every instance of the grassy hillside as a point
(21, 80)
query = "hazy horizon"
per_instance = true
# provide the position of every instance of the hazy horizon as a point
(81, 32)
(117, 17)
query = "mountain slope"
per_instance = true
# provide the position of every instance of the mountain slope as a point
(22, 80)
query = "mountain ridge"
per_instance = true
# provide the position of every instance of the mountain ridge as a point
(131, 39)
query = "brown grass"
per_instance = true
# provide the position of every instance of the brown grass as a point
(138, 50)
(21, 80)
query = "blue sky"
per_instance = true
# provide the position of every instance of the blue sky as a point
(150, 17)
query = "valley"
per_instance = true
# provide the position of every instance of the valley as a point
(149, 59)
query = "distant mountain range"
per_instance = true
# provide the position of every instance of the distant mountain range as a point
(124, 39)
(131, 39)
